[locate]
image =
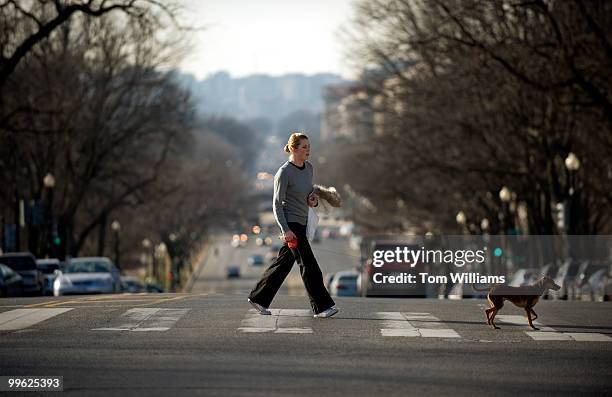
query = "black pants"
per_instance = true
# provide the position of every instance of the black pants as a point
(273, 277)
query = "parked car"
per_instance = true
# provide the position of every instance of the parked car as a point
(48, 268)
(467, 291)
(327, 279)
(90, 275)
(565, 278)
(11, 283)
(256, 260)
(594, 288)
(24, 263)
(584, 274)
(131, 284)
(344, 283)
(549, 270)
(524, 277)
(153, 288)
(233, 271)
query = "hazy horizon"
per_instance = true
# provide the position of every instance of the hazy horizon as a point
(269, 37)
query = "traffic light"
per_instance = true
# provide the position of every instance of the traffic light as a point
(57, 240)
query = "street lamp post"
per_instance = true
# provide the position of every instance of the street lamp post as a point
(116, 228)
(572, 164)
(161, 264)
(49, 183)
(461, 220)
(505, 195)
(146, 244)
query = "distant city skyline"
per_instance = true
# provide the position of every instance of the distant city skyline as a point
(273, 37)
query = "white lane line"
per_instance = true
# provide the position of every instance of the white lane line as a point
(438, 333)
(549, 333)
(23, 318)
(293, 331)
(573, 336)
(255, 322)
(399, 332)
(395, 324)
(538, 335)
(588, 337)
(281, 321)
(146, 319)
(412, 324)
(255, 329)
(514, 319)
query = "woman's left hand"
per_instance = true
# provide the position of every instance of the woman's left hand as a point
(313, 200)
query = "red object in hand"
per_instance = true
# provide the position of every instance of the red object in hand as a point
(292, 243)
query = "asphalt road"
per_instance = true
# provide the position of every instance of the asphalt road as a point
(333, 255)
(213, 344)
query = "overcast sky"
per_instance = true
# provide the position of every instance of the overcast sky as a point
(273, 37)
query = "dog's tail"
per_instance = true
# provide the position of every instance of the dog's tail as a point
(478, 289)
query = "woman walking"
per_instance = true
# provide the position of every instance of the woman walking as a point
(293, 194)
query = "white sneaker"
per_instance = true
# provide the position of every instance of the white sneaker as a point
(327, 313)
(262, 310)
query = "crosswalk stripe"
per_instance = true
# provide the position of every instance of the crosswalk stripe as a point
(147, 319)
(281, 321)
(549, 333)
(413, 324)
(514, 319)
(24, 318)
(588, 337)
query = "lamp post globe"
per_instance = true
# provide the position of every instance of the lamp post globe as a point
(572, 162)
(505, 194)
(461, 218)
(49, 180)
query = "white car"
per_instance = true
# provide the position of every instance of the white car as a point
(345, 283)
(92, 275)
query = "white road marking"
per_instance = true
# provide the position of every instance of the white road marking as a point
(537, 335)
(400, 332)
(413, 324)
(514, 319)
(23, 318)
(588, 337)
(281, 321)
(548, 333)
(572, 336)
(147, 319)
(293, 331)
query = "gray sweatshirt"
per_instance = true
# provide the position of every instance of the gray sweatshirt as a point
(292, 186)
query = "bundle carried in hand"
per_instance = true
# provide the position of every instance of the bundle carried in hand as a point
(329, 194)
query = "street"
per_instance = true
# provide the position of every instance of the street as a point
(333, 255)
(447, 161)
(214, 344)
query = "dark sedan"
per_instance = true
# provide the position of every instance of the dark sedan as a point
(11, 283)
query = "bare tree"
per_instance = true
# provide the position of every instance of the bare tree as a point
(26, 24)
(479, 95)
(100, 116)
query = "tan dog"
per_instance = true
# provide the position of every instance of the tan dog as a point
(525, 296)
